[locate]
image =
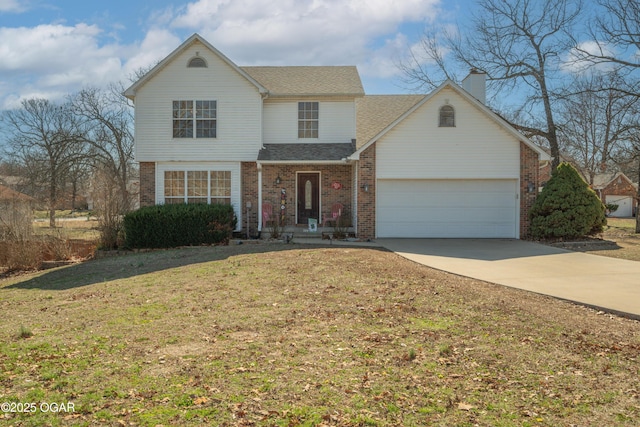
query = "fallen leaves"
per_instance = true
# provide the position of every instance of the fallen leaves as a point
(465, 406)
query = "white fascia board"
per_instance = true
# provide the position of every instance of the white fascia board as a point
(130, 92)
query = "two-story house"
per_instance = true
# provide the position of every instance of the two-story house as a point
(298, 141)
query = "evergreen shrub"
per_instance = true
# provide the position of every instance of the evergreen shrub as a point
(566, 207)
(167, 226)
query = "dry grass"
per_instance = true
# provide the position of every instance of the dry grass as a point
(75, 228)
(618, 240)
(292, 335)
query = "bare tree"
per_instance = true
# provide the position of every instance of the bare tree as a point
(519, 44)
(615, 40)
(109, 122)
(614, 34)
(47, 139)
(598, 121)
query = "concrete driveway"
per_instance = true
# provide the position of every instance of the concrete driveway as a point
(606, 283)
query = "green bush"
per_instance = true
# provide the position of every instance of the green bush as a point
(566, 207)
(166, 226)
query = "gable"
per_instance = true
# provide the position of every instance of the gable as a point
(619, 184)
(476, 147)
(238, 109)
(189, 43)
(465, 96)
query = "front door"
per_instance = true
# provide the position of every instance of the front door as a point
(308, 197)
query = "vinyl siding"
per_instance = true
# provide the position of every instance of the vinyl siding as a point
(475, 148)
(239, 116)
(336, 122)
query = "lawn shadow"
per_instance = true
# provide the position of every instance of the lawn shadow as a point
(135, 264)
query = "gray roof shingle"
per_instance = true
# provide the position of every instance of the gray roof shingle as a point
(375, 112)
(305, 152)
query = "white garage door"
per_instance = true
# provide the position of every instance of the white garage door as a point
(447, 208)
(625, 205)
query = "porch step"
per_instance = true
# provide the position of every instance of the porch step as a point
(303, 232)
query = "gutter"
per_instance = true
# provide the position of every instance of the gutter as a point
(343, 161)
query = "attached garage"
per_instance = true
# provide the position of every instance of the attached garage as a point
(446, 167)
(457, 208)
(625, 205)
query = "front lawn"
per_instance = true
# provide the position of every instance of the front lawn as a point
(618, 240)
(294, 335)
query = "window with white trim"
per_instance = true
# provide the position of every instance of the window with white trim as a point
(195, 119)
(174, 187)
(221, 187)
(308, 119)
(213, 187)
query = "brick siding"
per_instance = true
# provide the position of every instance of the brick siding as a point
(367, 199)
(529, 168)
(622, 188)
(147, 184)
(249, 173)
(328, 196)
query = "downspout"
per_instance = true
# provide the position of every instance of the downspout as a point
(259, 196)
(355, 170)
(264, 95)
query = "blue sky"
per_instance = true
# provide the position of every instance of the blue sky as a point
(51, 48)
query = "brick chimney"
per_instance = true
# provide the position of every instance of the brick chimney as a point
(476, 84)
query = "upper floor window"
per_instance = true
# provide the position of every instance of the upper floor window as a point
(197, 62)
(447, 116)
(307, 119)
(194, 119)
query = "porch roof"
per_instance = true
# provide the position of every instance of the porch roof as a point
(305, 152)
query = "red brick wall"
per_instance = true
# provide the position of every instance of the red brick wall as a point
(147, 184)
(544, 174)
(249, 174)
(529, 168)
(367, 200)
(623, 188)
(328, 196)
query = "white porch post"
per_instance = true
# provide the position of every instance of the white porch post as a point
(259, 196)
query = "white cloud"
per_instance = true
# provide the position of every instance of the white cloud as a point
(54, 60)
(384, 61)
(576, 61)
(157, 44)
(12, 6)
(293, 32)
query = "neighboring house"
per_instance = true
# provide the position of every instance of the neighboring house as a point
(9, 195)
(15, 207)
(617, 189)
(306, 138)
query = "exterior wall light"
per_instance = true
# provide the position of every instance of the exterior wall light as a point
(278, 180)
(531, 187)
(365, 187)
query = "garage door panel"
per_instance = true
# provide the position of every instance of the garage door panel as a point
(625, 205)
(446, 208)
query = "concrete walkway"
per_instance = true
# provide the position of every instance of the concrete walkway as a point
(606, 283)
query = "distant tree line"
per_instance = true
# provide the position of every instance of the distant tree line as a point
(85, 141)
